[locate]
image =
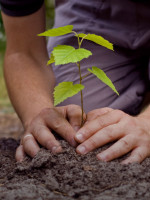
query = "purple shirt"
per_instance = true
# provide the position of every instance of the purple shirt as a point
(125, 24)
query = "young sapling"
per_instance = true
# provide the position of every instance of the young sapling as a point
(64, 54)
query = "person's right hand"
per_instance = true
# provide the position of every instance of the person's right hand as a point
(65, 121)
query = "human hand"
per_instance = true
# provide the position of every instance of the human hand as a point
(132, 134)
(64, 120)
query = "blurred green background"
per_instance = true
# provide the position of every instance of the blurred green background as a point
(5, 105)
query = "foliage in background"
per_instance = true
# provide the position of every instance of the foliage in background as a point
(2, 37)
(50, 12)
(4, 100)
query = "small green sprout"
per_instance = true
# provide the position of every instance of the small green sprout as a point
(64, 54)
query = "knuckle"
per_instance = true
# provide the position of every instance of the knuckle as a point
(113, 153)
(92, 143)
(110, 135)
(104, 110)
(45, 111)
(62, 110)
(130, 122)
(142, 135)
(120, 113)
(58, 124)
(100, 121)
(125, 144)
(33, 124)
(73, 106)
(74, 111)
(36, 121)
(140, 156)
(37, 131)
(88, 130)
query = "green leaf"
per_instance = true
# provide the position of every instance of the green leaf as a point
(97, 39)
(64, 54)
(100, 74)
(52, 59)
(65, 90)
(57, 31)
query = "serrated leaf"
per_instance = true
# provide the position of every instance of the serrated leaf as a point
(100, 74)
(65, 54)
(97, 39)
(57, 31)
(65, 90)
(52, 59)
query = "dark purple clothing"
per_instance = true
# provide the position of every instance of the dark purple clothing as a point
(127, 26)
(20, 7)
(124, 23)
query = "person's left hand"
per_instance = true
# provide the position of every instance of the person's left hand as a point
(132, 134)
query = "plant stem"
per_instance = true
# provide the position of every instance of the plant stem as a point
(81, 78)
(82, 119)
(81, 93)
(79, 42)
(82, 40)
(86, 75)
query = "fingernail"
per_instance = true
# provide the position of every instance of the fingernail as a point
(76, 128)
(125, 162)
(20, 159)
(56, 149)
(79, 137)
(81, 149)
(102, 157)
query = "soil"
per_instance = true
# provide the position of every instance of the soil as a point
(68, 175)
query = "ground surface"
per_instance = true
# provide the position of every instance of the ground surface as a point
(67, 175)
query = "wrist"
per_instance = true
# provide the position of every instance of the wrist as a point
(144, 119)
(145, 114)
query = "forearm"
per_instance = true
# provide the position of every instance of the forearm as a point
(30, 84)
(29, 81)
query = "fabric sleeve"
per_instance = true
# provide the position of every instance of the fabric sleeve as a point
(20, 7)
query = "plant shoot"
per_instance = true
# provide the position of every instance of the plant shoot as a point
(64, 54)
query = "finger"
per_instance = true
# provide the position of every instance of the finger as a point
(102, 137)
(137, 156)
(20, 154)
(120, 148)
(44, 136)
(97, 112)
(109, 118)
(30, 145)
(74, 115)
(55, 121)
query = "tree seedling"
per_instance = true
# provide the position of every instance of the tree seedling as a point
(64, 54)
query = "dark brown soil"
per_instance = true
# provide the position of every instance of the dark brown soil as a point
(69, 176)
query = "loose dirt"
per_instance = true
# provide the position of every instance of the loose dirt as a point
(69, 176)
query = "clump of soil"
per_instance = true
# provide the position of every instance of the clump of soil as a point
(69, 176)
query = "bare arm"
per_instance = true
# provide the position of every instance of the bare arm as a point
(30, 85)
(25, 62)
